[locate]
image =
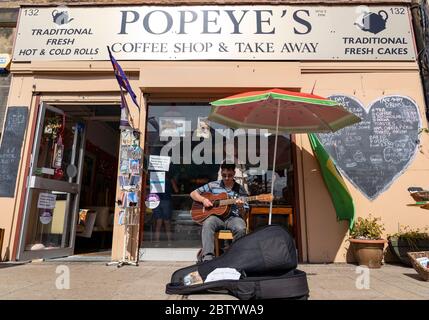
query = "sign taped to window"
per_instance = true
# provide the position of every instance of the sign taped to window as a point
(46, 201)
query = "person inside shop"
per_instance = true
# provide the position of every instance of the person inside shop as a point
(280, 183)
(162, 214)
(232, 221)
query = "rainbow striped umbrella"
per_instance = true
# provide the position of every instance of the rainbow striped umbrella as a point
(298, 112)
(281, 111)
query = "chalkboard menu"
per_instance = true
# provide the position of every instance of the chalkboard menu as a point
(374, 152)
(10, 149)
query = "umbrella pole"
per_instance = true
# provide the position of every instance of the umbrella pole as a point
(273, 176)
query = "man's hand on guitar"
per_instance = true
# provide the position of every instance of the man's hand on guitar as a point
(239, 202)
(207, 203)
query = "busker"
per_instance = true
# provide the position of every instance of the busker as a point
(232, 220)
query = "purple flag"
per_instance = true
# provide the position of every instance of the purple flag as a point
(122, 78)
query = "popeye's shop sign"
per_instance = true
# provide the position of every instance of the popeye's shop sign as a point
(215, 32)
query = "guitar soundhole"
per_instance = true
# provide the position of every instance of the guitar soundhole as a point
(215, 203)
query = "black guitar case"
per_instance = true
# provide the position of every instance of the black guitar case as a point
(267, 262)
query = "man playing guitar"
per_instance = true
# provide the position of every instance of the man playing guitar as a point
(231, 221)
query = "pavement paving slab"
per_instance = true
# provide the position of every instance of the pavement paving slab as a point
(95, 280)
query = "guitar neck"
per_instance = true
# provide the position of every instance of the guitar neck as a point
(232, 201)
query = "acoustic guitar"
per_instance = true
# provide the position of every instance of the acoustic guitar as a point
(221, 205)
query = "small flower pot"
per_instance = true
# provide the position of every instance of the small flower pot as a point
(368, 252)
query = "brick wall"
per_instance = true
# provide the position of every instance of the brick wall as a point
(6, 43)
(6, 40)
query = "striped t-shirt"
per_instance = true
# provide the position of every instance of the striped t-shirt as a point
(217, 187)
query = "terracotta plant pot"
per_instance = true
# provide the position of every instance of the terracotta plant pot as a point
(368, 252)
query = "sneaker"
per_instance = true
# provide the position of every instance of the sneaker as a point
(208, 257)
(200, 256)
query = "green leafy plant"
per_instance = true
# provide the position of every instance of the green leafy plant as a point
(421, 130)
(411, 235)
(367, 229)
(52, 127)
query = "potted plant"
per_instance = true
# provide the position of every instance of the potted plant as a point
(407, 240)
(366, 242)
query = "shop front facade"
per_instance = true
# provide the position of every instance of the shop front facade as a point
(178, 59)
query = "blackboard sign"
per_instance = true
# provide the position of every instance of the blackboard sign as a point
(374, 152)
(10, 149)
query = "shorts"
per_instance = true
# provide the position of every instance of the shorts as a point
(163, 211)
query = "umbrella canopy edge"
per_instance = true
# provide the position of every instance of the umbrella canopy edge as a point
(274, 96)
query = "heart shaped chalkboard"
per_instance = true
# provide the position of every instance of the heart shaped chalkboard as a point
(374, 152)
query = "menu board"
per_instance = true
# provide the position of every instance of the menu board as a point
(374, 152)
(10, 149)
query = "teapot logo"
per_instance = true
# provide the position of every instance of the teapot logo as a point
(61, 17)
(372, 22)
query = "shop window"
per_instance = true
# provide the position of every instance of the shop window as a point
(196, 148)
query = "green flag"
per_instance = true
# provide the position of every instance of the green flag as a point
(340, 195)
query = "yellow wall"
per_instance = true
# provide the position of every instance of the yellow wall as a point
(325, 235)
(323, 238)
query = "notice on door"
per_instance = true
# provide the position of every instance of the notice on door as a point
(159, 163)
(46, 201)
(157, 182)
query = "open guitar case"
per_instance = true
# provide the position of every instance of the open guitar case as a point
(267, 262)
